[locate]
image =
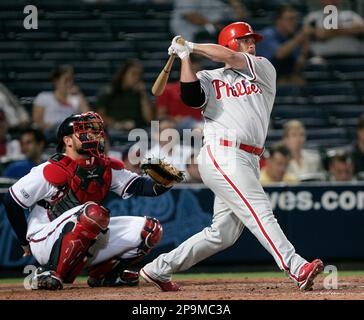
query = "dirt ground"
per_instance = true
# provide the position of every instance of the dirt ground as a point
(349, 288)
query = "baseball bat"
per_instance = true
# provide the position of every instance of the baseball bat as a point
(162, 79)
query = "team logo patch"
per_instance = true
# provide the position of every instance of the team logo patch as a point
(92, 174)
(238, 89)
(24, 194)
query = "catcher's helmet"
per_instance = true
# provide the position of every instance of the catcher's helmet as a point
(236, 30)
(88, 128)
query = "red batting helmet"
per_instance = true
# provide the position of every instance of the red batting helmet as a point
(236, 30)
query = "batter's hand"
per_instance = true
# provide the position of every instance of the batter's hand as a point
(182, 51)
(27, 251)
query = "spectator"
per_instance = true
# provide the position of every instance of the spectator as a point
(15, 114)
(170, 104)
(190, 17)
(9, 149)
(302, 161)
(336, 42)
(285, 46)
(340, 167)
(357, 153)
(125, 104)
(167, 145)
(51, 108)
(32, 144)
(192, 173)
(275, 170)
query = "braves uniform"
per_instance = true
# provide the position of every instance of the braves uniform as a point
(67, 227)
(122, 239)
(236, 111)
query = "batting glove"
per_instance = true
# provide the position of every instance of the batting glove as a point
(182, 51)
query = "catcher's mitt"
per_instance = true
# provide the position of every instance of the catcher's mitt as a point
(161, 171)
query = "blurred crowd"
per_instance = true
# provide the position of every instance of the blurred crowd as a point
(290, 43)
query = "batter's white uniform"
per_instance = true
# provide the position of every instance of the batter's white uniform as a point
(122, 238)
(237, 108)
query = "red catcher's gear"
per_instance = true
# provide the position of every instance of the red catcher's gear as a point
(236, 30)
(88, 128)
(151, 234)
(69, 252)
(78, 181)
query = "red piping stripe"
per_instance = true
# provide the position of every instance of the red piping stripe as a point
(251, 67)
(42, 239)
(251, 210)
(128, 185)
(16, 199)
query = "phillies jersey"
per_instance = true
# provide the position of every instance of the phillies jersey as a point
(34, 187)
(239, 101)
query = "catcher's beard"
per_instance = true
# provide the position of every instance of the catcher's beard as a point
(98, 151)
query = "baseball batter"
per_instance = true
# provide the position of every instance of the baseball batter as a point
(67, 228)
(237, 101)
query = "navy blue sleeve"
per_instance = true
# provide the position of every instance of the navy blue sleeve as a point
(192, 94)
(16, 218)
(145, 186)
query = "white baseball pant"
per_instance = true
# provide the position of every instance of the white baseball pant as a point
(233, 175)
(122, 238)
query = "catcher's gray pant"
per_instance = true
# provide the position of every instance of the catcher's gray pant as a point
(233, 176)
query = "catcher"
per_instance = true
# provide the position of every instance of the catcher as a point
(68, 228)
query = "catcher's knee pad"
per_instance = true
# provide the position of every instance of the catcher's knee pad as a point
(69, 252)
(151, 234)
(94, 218)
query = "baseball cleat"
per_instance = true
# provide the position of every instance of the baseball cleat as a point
(308, 273)
(44, 279)
(162, 285)
(127, 278)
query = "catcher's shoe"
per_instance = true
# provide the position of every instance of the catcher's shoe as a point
(126, 278)
(162, 285)
(44, 279)
(308, 273)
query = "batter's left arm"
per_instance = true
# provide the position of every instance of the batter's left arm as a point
(219, 53)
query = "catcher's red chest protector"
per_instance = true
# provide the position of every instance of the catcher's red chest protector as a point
(78, 181)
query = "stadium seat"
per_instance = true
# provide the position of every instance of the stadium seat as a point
(13, 46)
(107, 46)
(36, 35)
(31, 76)
(29, 88)
(91, 66)
(55, 46)
(14, 56)
(29, 66)
(82, 26)
(321, 93)
(308, 122)
(93, 76)
(292, 112)
(327, 133)
(111, 56)
(62, 56)
(88, 36)
(67, 15)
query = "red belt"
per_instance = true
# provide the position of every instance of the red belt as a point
(254, 150)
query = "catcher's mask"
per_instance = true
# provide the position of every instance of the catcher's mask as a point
(88, 128)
